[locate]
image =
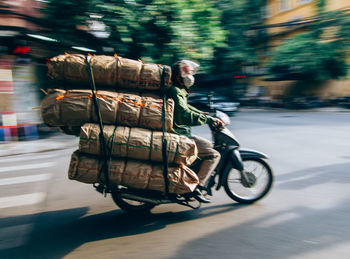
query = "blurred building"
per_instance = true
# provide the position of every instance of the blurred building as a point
(26, 41)
(284, 19)
(18, 84)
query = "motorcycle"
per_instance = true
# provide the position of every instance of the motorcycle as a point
(244, 174)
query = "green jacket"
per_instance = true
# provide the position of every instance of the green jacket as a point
(185, 115)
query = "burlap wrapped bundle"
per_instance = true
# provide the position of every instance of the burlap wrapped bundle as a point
(137, 143)
(110, 71)
(76, 107)
(131, 173)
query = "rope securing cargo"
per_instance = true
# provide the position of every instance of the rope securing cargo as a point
(164, 147)
(105, 187)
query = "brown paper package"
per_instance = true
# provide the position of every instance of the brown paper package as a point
(131, 173)
(76, 107)
(113, 71)
(137, 143)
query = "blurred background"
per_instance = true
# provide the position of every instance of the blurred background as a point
(279, 67)
(272, 53)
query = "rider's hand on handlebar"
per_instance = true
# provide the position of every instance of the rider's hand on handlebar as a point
(218, 124)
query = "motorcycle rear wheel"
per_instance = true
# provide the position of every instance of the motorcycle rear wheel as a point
(130, 205)
(260, 177)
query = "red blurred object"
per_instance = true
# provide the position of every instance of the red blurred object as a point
(21, 50)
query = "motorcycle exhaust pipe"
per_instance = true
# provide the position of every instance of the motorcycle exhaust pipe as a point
(144, 199)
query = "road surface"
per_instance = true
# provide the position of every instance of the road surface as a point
(45, 215)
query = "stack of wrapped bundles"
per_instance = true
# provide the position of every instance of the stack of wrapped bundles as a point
(133, 123)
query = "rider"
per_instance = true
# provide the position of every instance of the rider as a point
(186, 116)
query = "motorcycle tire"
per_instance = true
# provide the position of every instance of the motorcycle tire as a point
(129, 206)
(247, 198)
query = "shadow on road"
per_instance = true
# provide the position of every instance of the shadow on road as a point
(292, 233)
(57, 233)
(336, 173)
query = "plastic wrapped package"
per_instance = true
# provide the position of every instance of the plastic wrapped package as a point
(132, 173)
(76, 107)
(111, 71)
(138, 143)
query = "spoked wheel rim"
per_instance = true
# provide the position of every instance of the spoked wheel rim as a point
(259, 181)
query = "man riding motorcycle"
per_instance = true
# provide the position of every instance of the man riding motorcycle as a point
(186, 116)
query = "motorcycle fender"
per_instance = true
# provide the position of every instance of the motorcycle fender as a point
(232, 157)
(235, 156)
(249, 153)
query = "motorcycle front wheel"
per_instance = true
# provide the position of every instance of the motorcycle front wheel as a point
(257, 184)
(131, 206)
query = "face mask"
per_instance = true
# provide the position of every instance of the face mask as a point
(188, 80)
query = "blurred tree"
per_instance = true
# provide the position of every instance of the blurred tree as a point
(159, 31)
(63, 16)
(319, 54)
(303, 57)
(239, 19)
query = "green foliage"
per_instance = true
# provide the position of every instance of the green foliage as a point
(303, 57)
(161, 31)
(239, 48)
(217, 34)
(343, 32)
(66, 14)
(321, 4)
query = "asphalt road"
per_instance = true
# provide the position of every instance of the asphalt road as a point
(45, 215)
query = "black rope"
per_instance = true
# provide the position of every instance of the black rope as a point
(105, 187)
(164, 142)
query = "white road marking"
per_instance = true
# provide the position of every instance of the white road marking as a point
(14, 236)
(25, 179)
(22, 200)
(26, 167)
(26, 158)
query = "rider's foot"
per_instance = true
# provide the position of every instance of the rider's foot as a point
(198, 195)
(205, 190)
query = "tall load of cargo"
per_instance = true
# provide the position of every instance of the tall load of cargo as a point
(134, 141)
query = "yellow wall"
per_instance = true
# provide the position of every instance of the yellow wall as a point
(337, 4)
(295, 11)
(283, 89)
(297, 8)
